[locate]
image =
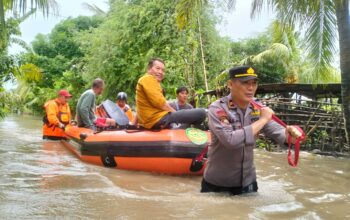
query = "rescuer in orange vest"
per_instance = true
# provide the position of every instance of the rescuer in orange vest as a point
(57, 116)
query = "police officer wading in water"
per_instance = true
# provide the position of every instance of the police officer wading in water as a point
(234, 125)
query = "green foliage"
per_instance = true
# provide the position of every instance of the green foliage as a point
(272, 64)
(318, 20)
(52, 68)
(19, 7)
(117, 45)
(56, 63)
(135, 31)
(278, 54)
(241, 49)
(272, 60)
(2, 104)
(7, 66)
(8, 63)
(30, 72)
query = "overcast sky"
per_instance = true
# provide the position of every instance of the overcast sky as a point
(236, 23)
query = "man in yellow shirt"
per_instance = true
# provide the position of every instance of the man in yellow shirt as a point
(153, 111)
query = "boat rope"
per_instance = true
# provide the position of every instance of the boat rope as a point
(291, 162)
(198, 162)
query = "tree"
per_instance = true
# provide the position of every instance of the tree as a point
(9, 28)
(20, 7)
(9, 63)
(60, 59)
(275, 56)
(189, 16)
(135, 31)
(322, 20)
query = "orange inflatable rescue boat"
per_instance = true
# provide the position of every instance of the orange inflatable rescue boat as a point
(167, 151)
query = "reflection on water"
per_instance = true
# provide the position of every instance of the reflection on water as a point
(42, 180)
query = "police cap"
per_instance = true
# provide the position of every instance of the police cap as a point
(243, 73)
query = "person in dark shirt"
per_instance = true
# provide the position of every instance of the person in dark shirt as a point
(181, 99)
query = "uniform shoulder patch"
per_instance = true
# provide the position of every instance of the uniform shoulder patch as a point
(220, 113)
(223, 117)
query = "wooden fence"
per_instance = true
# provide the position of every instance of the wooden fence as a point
(322, 121)
(315, 108)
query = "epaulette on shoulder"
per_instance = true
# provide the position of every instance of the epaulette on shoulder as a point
(215, 104)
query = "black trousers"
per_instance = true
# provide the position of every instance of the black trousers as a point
(194, 116)
(208, 187)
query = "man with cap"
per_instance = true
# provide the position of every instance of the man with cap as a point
(57, 116)
(234, 125)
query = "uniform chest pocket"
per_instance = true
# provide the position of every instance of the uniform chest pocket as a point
(235, 122)
(254, 119)
(236, 125)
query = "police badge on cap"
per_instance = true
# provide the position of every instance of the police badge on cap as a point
(243, 73)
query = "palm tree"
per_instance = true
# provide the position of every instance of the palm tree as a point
(20, 7)
(322, 21)
(17, 8)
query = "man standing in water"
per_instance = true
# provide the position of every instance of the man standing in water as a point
(153, 111)
(87, 104)
(181, 102)
(57, 116)
(234, 124)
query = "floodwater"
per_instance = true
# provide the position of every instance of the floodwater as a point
(42, 180)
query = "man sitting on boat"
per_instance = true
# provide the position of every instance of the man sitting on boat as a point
(181, 99)
(153, 111)
(122, 100)
(86, 107)
(57, 116)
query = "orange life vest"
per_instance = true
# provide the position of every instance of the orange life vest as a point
(55, 113)
(127, 110)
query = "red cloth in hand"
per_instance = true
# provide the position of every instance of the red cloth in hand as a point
(101, 122)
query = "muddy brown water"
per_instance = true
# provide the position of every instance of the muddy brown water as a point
(42, 180)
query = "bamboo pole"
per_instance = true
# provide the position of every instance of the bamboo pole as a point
(203, 58)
